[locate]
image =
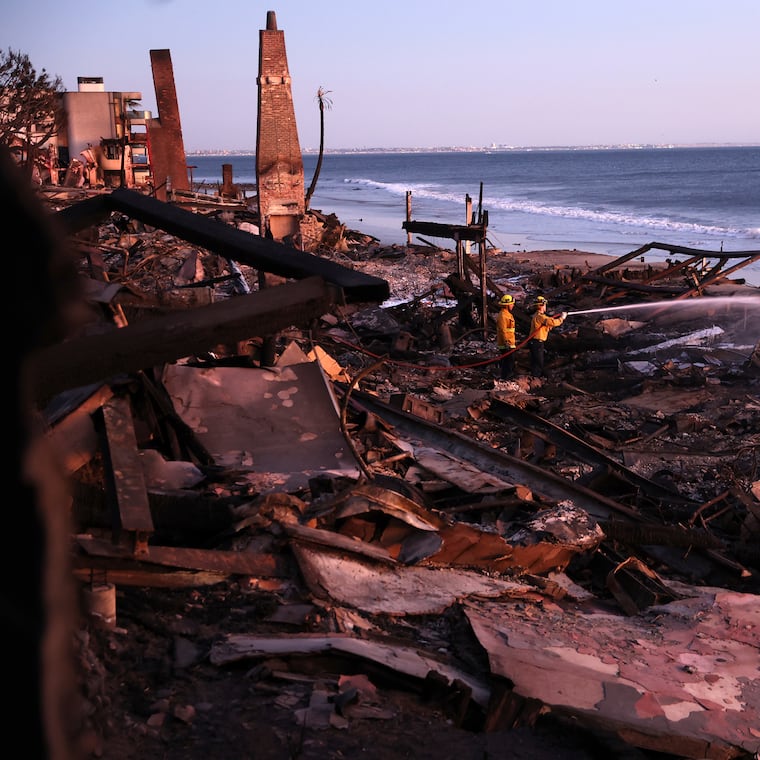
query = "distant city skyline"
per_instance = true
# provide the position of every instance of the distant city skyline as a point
(406, 75)
(476, 149)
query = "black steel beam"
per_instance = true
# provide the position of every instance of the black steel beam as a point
(225, 240)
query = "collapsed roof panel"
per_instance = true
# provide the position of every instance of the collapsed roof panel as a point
(274, 428)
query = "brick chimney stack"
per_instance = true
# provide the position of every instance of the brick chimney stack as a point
(167, 148)
(279, 163)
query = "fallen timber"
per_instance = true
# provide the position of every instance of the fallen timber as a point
(584, 451)
(83, 360)
(701, 269)
(704, 562)
(548, 484)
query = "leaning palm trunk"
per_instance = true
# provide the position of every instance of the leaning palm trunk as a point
(324, 102)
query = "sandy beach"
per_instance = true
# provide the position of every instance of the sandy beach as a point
(559, 258)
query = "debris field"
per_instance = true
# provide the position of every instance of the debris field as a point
(307, 519)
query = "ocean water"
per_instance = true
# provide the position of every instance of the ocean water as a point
(598, 200)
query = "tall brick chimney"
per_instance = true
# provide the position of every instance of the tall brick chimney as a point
(167, 148)
(279, 163)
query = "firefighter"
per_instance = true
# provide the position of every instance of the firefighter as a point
(540, 325)
(505, 337)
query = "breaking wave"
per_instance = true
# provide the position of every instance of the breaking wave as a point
(605, 217)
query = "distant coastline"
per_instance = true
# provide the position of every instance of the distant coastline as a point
(481, 149)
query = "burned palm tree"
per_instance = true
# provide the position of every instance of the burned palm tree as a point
(324, 102)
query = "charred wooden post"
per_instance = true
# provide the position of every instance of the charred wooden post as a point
(482, 274)
(408, 215)
(467, 217)
(460, 233)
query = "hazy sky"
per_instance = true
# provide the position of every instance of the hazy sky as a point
(414, 73)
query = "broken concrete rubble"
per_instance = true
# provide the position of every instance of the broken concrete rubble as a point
(290, 480)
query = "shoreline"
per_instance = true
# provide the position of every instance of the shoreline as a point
(383, 222)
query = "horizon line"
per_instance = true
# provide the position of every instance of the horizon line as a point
(485, 148)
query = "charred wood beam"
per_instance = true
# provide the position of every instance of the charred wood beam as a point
(153, 576)
(452, 698)
(712, 277)
(583, 451)
(694, 254)
(542, 482)
(227, 241)
(670, 271)
(508, 710)
(677, 249)
(662, 274)
(473, 232)
(663, 535)
(709, 278)
(126, 478)
(490, 505)
(634, 585)
(211, 560)
(83, 360)
(627, 285)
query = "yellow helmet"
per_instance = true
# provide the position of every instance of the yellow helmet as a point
(506, 299)
(540, 300)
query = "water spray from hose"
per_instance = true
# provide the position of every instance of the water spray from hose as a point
(703, 303)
